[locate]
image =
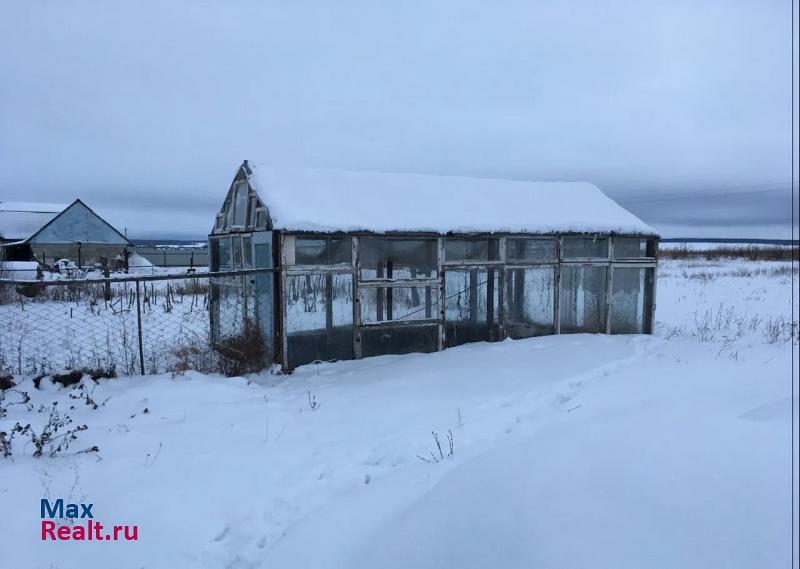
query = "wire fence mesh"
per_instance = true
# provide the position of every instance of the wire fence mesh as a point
(124, 326)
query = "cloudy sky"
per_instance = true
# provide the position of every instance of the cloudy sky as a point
(679, 109)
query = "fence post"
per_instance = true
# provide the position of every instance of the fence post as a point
(139, 327)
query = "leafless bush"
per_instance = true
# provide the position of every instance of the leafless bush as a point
(10, 396)
(778, 330)
(55, 437)
(312, 401)
(86, 394)
(439, 455)
(246, 353)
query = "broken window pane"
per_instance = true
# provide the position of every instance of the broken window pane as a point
(323, 250)
(529, 301)
(631, 300)
(471, 305)
(470, 249)
(585, 247)
(381, 340)
(539, 250)
(319, 317)
(382, 304)
(582, 306)
(632, 248)
(388, 258)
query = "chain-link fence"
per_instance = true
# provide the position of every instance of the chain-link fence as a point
(124, 325)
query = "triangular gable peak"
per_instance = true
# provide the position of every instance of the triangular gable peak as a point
(78, 223)
(243, 209)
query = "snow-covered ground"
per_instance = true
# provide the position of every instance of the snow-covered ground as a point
(568, 451)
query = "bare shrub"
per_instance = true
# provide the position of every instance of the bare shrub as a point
(439, 455)
(777, 330)
(55, 437)
(246, 353)
(10, 396)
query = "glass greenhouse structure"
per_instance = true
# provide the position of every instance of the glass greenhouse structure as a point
(358, 264)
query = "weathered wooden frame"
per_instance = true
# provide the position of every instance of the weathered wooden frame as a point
(501, 265)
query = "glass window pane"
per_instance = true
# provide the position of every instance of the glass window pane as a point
(213, 250)
(381, 340)
(530, 249)
(319, 318)
(387, 258)
(225, 254)
(251, 211)
(236, 245)
(263, 248)
(261, 218)
(582, 305)
(231, 308)
(323, 250)
(585, 247)
(240, 206)
(263, 287)
(632, 289)
(630, 248)
(470, 249)
(247, 252)
(529, 302)
(382, 304)
(471, 305)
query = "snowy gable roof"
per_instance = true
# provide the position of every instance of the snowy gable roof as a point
(20, 220)
(300, 199)
(56, 223)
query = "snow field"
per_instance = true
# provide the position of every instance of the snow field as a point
(569, 451)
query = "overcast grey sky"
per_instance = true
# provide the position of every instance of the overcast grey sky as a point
(145, 109)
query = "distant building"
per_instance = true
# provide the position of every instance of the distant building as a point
(49, 232)
(366, 263)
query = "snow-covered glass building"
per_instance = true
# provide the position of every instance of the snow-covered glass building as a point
(365, 264)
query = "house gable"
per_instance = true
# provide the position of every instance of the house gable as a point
(78, 223)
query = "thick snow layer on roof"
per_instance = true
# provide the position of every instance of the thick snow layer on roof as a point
(20, 220)
(333, 200)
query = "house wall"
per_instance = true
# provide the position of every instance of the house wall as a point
(89, 254)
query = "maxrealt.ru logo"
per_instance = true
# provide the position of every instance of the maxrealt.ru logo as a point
(67, 529)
